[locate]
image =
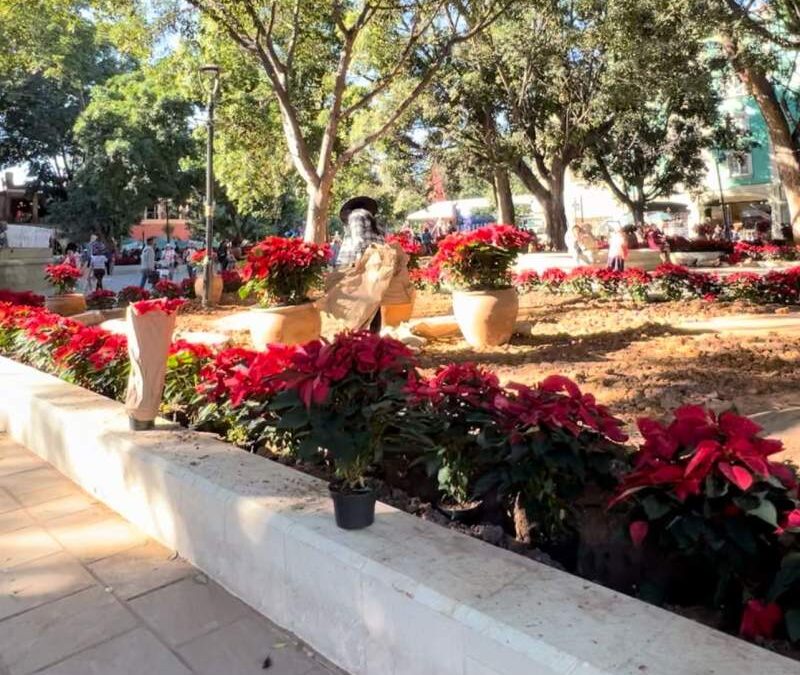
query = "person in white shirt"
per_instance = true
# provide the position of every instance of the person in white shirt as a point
(148, 263)
(99, 268)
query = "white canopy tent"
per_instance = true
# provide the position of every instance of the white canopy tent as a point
(466, 207)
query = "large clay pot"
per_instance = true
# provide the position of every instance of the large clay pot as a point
(394, 315)
(216, 286)
(66, 304)
(486, 318)
(289, 325)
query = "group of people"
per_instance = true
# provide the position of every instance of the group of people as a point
(95, 260)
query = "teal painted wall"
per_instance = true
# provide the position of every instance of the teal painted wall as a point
(760, 151)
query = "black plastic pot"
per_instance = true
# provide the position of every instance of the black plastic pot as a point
(468, 515)
(354, 510)
(141, 425)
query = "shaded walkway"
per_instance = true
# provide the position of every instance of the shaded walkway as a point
(83, 592)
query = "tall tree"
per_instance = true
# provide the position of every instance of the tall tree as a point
(762, 42)
(133, 137)
(344, 73)
(655, 143)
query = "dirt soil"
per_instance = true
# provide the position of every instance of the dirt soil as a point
(634, 358)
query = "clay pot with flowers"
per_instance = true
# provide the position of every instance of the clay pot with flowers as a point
(64, 278)
(398, 301)
(200, 260)
(281, 273)
(477, 266)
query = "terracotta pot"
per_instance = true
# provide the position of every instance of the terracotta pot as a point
(66, 304)
(394, 315)
(289, 325)
(486, 318)
(216, 286)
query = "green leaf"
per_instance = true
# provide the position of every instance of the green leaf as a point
(293, 418)
(765, 511)
(655, 507)
(793, 624)
(787, 576)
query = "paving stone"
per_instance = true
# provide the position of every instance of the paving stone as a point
(18, 459)
(187, 609)
(52, 632)
(141, 569)
(34, 480)
(95, 533)
(43, 580)
(15, 520)
(241, 647)
(134, 653)
(63, 506)
(21, 546)
(7, 502)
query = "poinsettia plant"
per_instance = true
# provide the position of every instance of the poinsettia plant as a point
(344, 399)
(28, 298)
(706, 488)
(132, 294)
(409, 244)
(164, 305)
(168, 289)
(481, 259)
(283, 271)
(101, 299)
(62, 277)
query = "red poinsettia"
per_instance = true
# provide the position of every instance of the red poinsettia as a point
(133, 294)
(63, 277)
(406, 241)
(283, 271)
(760, 620)
(168, 289)
(22, 298)
(165, 305)
(481, 259)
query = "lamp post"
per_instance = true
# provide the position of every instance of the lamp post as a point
(210, 71)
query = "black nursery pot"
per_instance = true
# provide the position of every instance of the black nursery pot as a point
(466, 515)
(354, 510)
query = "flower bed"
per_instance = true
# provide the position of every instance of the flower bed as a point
(756, 251)
(666, 282)
(541, 461)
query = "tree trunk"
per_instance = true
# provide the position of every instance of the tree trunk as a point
(503, 197)
(317, 214)
(780, 135)
(637, 210)
(555, 215)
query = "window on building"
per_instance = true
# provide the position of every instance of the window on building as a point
(740, 164)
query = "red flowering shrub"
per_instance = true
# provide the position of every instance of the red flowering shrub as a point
(775, 287)
(132, 294)
(165, 305)
(704, 488)
(636, 283)
(527, 281)
(409, 244)
(480, 259)
(426, 278)
(62, 277)
(675, 282)
(345, 398)
(167, 289)
(101, 299)
(96, 359)
(187, 289)
(185, 362)
(744, 250)
(283, 271)
(231, 281)
(22, 298)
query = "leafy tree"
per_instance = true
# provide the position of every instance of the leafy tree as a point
(655, 143)
(343, 73)
(133, 137)
(762, 43)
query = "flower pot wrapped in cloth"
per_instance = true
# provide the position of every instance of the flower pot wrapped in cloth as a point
(398, 300)
(150, 327)
(354, 294)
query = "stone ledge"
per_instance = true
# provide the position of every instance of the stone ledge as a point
(404, 597)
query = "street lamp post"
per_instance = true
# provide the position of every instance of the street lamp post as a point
(211, 71)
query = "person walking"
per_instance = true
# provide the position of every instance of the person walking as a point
(170, 260)
(147, 265)
(574, 240)
(617, 249)
(99, 269)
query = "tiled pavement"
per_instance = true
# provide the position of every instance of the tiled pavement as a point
(83, 592)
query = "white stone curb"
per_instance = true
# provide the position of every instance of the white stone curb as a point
(404, 597)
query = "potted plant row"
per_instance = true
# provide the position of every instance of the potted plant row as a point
(477, 266)
(282, 272)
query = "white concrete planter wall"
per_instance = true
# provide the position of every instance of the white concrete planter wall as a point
(642, 258)
(404, 597)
